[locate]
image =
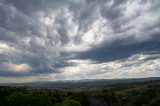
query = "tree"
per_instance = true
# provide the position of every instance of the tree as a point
(71, 103)
(15, 99)
(155, 102)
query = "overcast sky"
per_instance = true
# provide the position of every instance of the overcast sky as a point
(49, 40)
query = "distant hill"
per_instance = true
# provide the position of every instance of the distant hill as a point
(79, 83)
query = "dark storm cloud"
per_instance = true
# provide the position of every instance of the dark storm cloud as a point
(120, 51)
(6, 73)
(119, 48)
(42, 36)
(15, 29)
(113, 11)
(31, 6)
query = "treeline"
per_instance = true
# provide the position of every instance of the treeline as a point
(146, 95)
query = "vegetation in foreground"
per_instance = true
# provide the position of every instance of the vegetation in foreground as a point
(128, 94)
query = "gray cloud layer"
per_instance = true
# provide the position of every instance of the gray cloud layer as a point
(50, 36)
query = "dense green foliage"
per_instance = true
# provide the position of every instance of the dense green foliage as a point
(132, 94)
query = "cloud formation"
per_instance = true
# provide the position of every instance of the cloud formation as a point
(77, 39)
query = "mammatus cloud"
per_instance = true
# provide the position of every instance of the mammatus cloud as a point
(77, 39)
